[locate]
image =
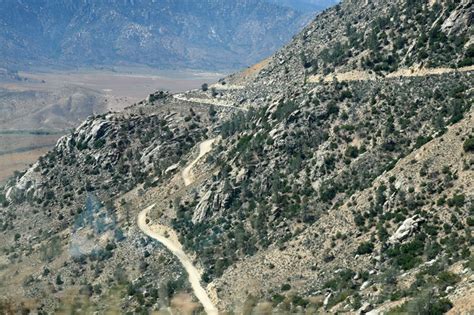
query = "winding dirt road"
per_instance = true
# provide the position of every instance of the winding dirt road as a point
(204, 148)
(172, 244)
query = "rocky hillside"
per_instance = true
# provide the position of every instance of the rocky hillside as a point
(166, 34)
(331, 186)
(377, 38)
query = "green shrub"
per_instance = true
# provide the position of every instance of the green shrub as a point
(432, 250)
(59, 281)
(470, 221)
(469, 145)
(299, 301)
(466, 62)
(332, 109)
(212, 111)
(420, 141)
(456, 201)
(424, 304)
(342, 281)
(286, 287)
(339, 297)
(446, 278)
(81, 145)
(327, 192)
(365, 248)
(277, 299)
(99, 143)
(131, 289)
(352, 152)
(407, 255)
(3, 200)
(359, 220)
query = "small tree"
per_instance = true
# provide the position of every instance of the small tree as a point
(204, 87)
(327, 192)
(352, 152)
(286, 287)
(3, 200)
(59, 281)
(469, 145)
(212, 111)
(365, 248)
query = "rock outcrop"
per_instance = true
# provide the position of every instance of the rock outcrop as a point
(408, 227)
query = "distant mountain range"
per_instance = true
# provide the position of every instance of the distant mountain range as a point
(204, 34)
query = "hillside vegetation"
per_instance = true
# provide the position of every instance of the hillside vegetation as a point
(319, 195)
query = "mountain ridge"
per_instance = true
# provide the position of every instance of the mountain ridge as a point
(201, 34)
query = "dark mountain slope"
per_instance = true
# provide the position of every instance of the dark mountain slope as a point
(166, 34)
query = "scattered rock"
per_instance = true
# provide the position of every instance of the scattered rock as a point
(366, 307)
(326, 300)
(449, 289)
(365, 285)
(172, 168)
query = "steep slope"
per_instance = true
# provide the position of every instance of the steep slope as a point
(339, 194)
(167, 34)
(159, 233)
(89, 173)
(376, 37)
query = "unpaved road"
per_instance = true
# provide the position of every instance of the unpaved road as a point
(357, 75)
(208, 101)
(204, 148)
(172, 244)
(194, 275)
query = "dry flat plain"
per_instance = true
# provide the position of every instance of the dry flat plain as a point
(44, 104)
(121, 87)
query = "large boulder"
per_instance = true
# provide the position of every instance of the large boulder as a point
(408, 227)
(202, 207)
